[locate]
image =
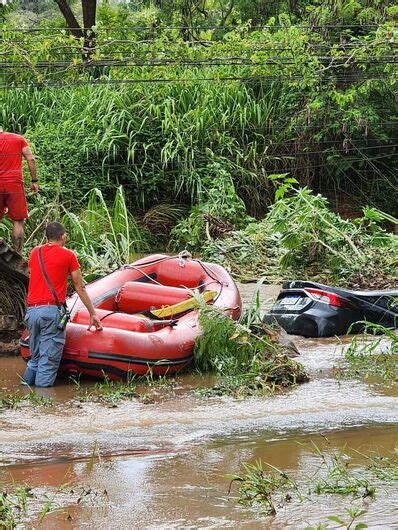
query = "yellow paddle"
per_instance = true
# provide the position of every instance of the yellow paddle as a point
(181, 307)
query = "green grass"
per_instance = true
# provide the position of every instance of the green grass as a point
(374, 354)
(13, 400)
(103, 236)
(13, 506)
(263, 486)
(247, 360)
(107, 391)
(267, 489)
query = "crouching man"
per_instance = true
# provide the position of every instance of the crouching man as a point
(50, 265)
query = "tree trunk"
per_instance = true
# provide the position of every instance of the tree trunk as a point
(89, 16)
(70, 18)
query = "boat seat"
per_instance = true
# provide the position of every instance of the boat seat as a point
(188, 274)
(136, 297)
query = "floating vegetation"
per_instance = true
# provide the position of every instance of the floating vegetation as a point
(14, 400)
(338, 477)
(373, 354)
(266, 488)
(247, 360)
(107, 391)
(353, 514)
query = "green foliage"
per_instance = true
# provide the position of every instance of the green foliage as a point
(315, 104)
(324, 109)
(353, 514)
(218, 202)
(264, 488)
(67, 157)
(247, 363)
(310, 241)
(340, 479)
(13, 506)
(16, 399)
(368, 356)
(104, 237)
(108, 392)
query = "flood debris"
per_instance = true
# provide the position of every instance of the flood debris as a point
(302, 237)
(12, 263)
(13, 283)
(247, 357)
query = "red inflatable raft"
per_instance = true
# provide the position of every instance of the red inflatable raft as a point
(136, 337)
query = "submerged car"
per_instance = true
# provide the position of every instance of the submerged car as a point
(311, 309)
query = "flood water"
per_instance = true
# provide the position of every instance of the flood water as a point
(164, 464)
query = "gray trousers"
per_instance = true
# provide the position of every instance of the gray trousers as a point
(46, 344)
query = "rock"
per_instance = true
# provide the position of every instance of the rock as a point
(287, 342)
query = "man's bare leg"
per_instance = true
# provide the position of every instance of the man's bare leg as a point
(17, 236)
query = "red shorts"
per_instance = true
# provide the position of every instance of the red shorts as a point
(13, 201)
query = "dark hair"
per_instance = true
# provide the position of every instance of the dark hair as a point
(54, 231)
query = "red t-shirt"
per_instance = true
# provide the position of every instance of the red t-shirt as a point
(59, 262)
(11, 146)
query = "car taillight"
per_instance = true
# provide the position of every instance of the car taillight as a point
(329, 298)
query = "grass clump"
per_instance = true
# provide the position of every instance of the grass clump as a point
(15, 399)
(264, 487)
(145, 388)
(13, 506)
(369, 356)
(246, 362)
(339, 478)
(109, 392)
(384, 468)
(104, 237)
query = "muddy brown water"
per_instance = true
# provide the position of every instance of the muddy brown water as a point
(165, 464)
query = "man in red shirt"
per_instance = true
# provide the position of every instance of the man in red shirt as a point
(43, 317)
(12, 194)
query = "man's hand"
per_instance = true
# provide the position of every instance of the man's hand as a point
(34, 188)
(78, 284)
(96, 322)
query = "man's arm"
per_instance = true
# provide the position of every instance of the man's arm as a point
(78, 284)
(28, 155)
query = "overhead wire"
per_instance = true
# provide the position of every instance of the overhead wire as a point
(197, 27)
(98, 82)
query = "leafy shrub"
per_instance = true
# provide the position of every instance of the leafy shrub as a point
(218, 202)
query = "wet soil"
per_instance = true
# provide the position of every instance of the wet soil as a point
(164, 464)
